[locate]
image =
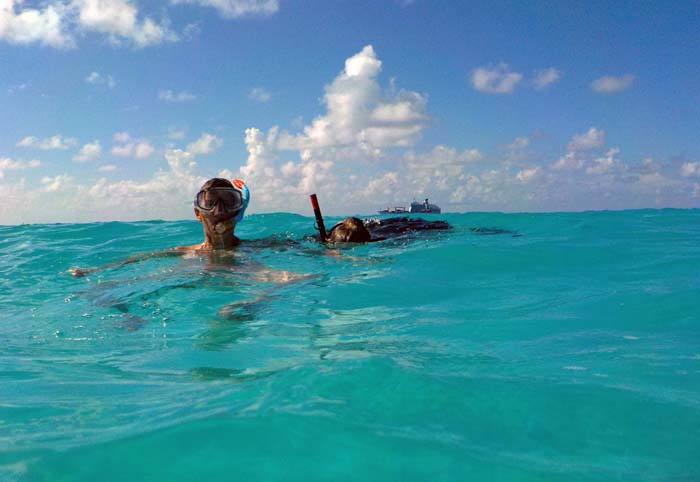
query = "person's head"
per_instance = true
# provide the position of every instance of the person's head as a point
(350, 230)
(219, 205)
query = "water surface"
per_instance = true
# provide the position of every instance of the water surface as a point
(556, 347)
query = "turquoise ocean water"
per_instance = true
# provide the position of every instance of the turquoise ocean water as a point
(566, 348)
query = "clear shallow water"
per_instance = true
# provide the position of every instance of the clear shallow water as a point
(568, 353)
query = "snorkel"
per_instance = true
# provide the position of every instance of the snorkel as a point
(319, 218)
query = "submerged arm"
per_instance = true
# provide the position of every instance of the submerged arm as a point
(134, 258)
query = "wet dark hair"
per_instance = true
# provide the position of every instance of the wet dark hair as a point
(350, 230)
(216, 182)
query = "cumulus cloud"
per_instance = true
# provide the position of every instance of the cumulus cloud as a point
(441, 169)
(206, 144)
(96, 78)
(30, 25)
(361, 121)
(163, 195)
(122, 150)
(358, 114)
(170, 96)
(50, 143)
(60, 21)
(107, 168)
(568, 162)
(259, 94)
(176, 134)
(495, 79)
(13, 89)
(118, 19)
(545, 77)
(143, 149)
(128, 147)
(89, 152)
(238, 8)
(519, 143)
(605, 163)
(121, 137)
(7, 164)
(55, 183)
(691, 169)
(27, 141)
(588, 140)
(527, 175)
(609, 84)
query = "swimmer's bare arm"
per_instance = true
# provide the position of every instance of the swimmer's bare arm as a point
(253, 269)
(136, 258)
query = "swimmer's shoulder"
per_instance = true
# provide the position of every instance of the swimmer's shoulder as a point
(193, 247)
(202, 246)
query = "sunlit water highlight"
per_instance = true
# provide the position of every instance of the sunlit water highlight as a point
(560, 347)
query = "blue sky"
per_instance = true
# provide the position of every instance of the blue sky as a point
(120, 109)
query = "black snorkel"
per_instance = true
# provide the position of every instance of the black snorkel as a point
(319, 218)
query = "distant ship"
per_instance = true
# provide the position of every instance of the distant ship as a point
(416, 207)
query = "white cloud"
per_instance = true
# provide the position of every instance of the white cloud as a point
(124, 150)
(143, 149)
(191, 30)
(442, 168)
(609, 83)
(118, 19)
(206, 144)
(238, 8)
(175, 134)
(7, 164)
(89, 152)
(96, 78)
(545, 77)
(29, 25)
(495, 79)
(107, 168)
(527, 175)
(121, 137)
(170, 96)
(50, 143)
(164, 195)
(56, 183)
(57, 142)
(588, 140)
(13, 89)
(260, 94)
(27, 141)
(358, 114)
(59, 21)
(690, 169)
(519, 143)
(381, 187)
(568, 162)
(606, 163)
(359, 123)
(126, 146)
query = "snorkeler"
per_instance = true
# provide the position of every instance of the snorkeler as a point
(349, 230)
(219, 205)
(354, 230)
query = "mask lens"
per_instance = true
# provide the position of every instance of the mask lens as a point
(230, 199)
